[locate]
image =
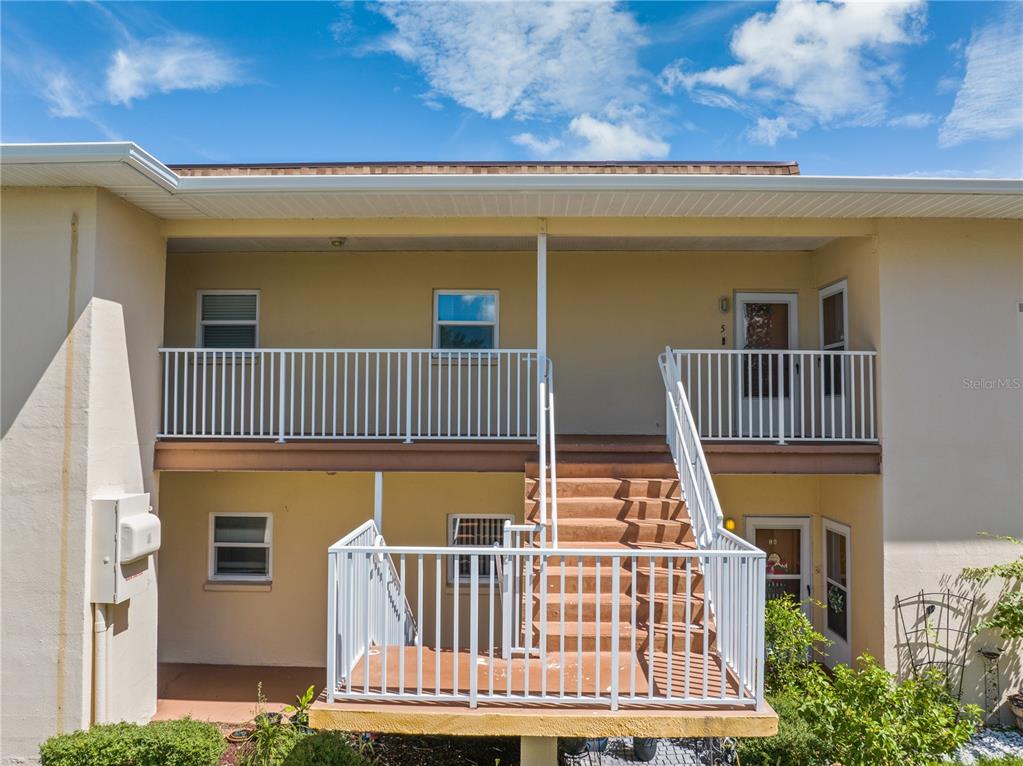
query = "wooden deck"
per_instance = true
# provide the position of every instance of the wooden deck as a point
(583, 674)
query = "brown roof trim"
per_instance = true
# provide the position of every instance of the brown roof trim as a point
(715, 167)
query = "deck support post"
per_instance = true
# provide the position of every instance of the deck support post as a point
(538, 751)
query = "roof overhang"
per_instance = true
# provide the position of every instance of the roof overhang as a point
(130, 172)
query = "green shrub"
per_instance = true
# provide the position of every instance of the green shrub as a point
(863, 717)
(790, 643)
(272, 738)
(328, 748)
(163, 743)
(795, 744)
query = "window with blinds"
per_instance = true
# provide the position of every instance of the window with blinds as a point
(240, 546)
(229, 319)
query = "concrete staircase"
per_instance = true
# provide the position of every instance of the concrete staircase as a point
(630, 501)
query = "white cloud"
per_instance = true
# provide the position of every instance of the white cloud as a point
(989, 103)
(912, 121)
(520, 59)
(179, 62)
(608, 141)
(66, 97)
(811, 63)
(538, 146)
(768, 131)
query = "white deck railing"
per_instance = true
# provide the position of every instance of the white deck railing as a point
(601, 627)
(780, 396)
(701, 498)
(409, 394)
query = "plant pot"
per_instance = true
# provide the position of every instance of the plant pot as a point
(1016, 706)
(644, 748)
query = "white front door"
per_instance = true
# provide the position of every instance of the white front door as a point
(767, 380)
(786, 541)
(837, 591)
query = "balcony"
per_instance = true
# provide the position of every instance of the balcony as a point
(781, 395)
(349, 394)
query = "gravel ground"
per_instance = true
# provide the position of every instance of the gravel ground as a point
(991, 743)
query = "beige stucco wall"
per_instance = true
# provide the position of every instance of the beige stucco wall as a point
(953, 452)
(610, 313)
(851, 500)
(286, 625)
(71, 431)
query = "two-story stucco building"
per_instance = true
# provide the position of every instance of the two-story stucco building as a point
(514, 448)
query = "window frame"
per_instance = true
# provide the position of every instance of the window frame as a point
(453, 519)
(212, 573)
(200, 323)
(841, 286)
(437, 321)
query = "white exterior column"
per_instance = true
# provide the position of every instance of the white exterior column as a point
(541, 298)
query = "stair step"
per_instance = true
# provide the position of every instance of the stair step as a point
(591, 639)
(607, 487)
(613, 508)
(572, 604)
(626, 578)
(640, 531)
(640, 468)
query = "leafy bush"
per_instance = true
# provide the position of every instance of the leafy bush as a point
(795, 743)
(863, 717)
(163, 743)
(328, 748)
(1007, 615)
(790, 642)
(272, 738)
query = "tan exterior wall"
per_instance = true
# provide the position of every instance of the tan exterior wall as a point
(78, 416)
(851, 500)
(286, 625)
(953, 447)
(610, 313)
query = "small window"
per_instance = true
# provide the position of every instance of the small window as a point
(474, 531)
(833, 322)
(240, 546)
(228, 319)
(465, 319)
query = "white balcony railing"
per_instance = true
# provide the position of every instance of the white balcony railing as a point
(409, 394)
(789, 395)
(603, 627)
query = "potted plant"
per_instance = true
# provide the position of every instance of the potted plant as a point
(298, 713)
(1007, 614)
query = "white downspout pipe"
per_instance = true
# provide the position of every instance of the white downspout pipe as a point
(101, 657)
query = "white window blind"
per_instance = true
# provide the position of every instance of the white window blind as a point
(240, 546)
(229, 319)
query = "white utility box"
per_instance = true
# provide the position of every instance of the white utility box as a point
(125, 534)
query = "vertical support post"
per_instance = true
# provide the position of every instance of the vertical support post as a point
(378, 501)
(280, 394)
(332, 594)
(408, 397)
(506, 595)
(541, 369)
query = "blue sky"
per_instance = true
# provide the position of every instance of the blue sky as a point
(864, 88)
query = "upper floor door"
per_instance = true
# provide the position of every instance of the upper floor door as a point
(767, 395)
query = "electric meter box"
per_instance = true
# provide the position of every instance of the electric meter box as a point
(125, 534)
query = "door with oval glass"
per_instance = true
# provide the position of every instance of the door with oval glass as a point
(837, 590)
(767, 379)
(786, 541)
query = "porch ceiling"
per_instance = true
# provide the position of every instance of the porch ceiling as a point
(487, 244)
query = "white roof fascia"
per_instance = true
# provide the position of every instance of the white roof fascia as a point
(159, 174)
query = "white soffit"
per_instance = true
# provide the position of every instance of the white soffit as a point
(128, 171)
(489, 244)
